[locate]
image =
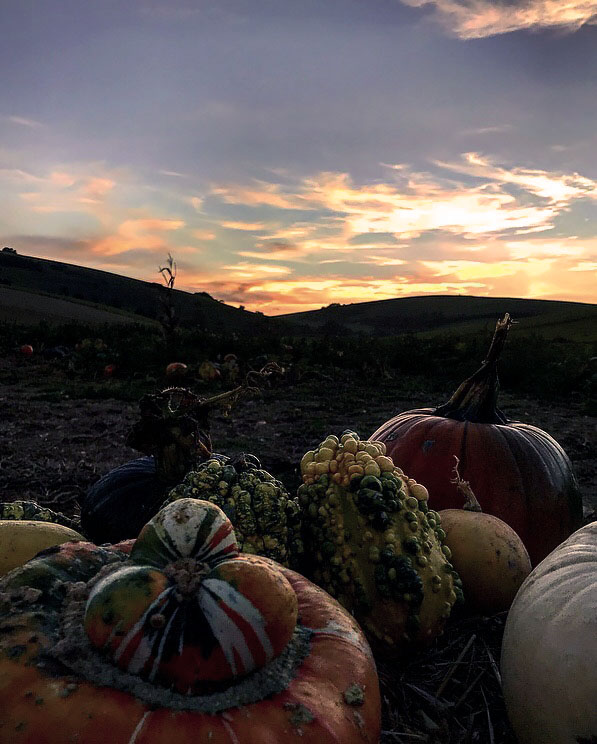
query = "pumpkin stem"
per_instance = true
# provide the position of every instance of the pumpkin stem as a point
(174, 426)
(470, 500)
(475, 399)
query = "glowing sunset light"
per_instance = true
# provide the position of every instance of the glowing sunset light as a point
(249, 226)
(253, 270)
(560, 248)
(421, 162)
(476, 270)
(482, 18)
(137, 234)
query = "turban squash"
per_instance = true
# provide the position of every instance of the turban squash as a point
(176, 639)
(518, 472)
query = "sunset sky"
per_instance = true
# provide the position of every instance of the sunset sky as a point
(294, 153)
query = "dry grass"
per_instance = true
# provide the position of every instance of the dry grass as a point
(451, 692)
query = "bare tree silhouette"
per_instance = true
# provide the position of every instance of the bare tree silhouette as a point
(168, 316)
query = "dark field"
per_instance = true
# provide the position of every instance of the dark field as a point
(56, 443)
(60, 433)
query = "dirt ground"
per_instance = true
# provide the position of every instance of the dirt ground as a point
(53, 447)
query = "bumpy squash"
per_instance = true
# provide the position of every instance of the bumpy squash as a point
(549, 648)
(179, 643)
(519, 472)
(266, 518)
(374, 544)
(33, 511)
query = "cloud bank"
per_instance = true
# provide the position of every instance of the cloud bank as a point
(475, 19)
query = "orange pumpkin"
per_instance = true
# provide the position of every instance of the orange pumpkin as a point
(176, 369)
(208, 371)
(488, 555)
(519, 472)
(184, 640)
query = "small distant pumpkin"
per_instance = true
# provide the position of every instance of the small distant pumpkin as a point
(208, 371)
(488, 555)
(26, 350)
(109, 370)
(176, 369)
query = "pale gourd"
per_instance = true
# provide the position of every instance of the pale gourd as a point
(21, 540)
(549, 650)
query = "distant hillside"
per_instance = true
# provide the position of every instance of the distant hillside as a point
(441, 314)
(32, 289)
(68, 290)
(28, 307)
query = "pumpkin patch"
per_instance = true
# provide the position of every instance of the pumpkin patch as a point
(171, 625)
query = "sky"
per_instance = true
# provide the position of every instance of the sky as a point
(294, 153)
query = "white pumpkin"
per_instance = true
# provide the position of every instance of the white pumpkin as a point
(549, 650)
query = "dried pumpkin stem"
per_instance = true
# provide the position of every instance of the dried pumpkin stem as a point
(174, 426)
(475, 400)
(470, 500)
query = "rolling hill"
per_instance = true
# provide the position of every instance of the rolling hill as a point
(32, 289)
(435, 314)
(35, 288)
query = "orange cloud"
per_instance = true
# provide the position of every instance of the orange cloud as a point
(471, 270)
(409, 209)
(248, 226)
(60, 178)
(561, 248)
(144, 234)
(473, 19)
(203, 234)
(252, 271)
(61, 190)
(97, 188)
(384, 261)
(263, 194)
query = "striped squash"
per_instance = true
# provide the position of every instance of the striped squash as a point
(179, 638)
(188, 609)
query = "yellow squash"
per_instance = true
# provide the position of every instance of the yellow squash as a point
(20, 540)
